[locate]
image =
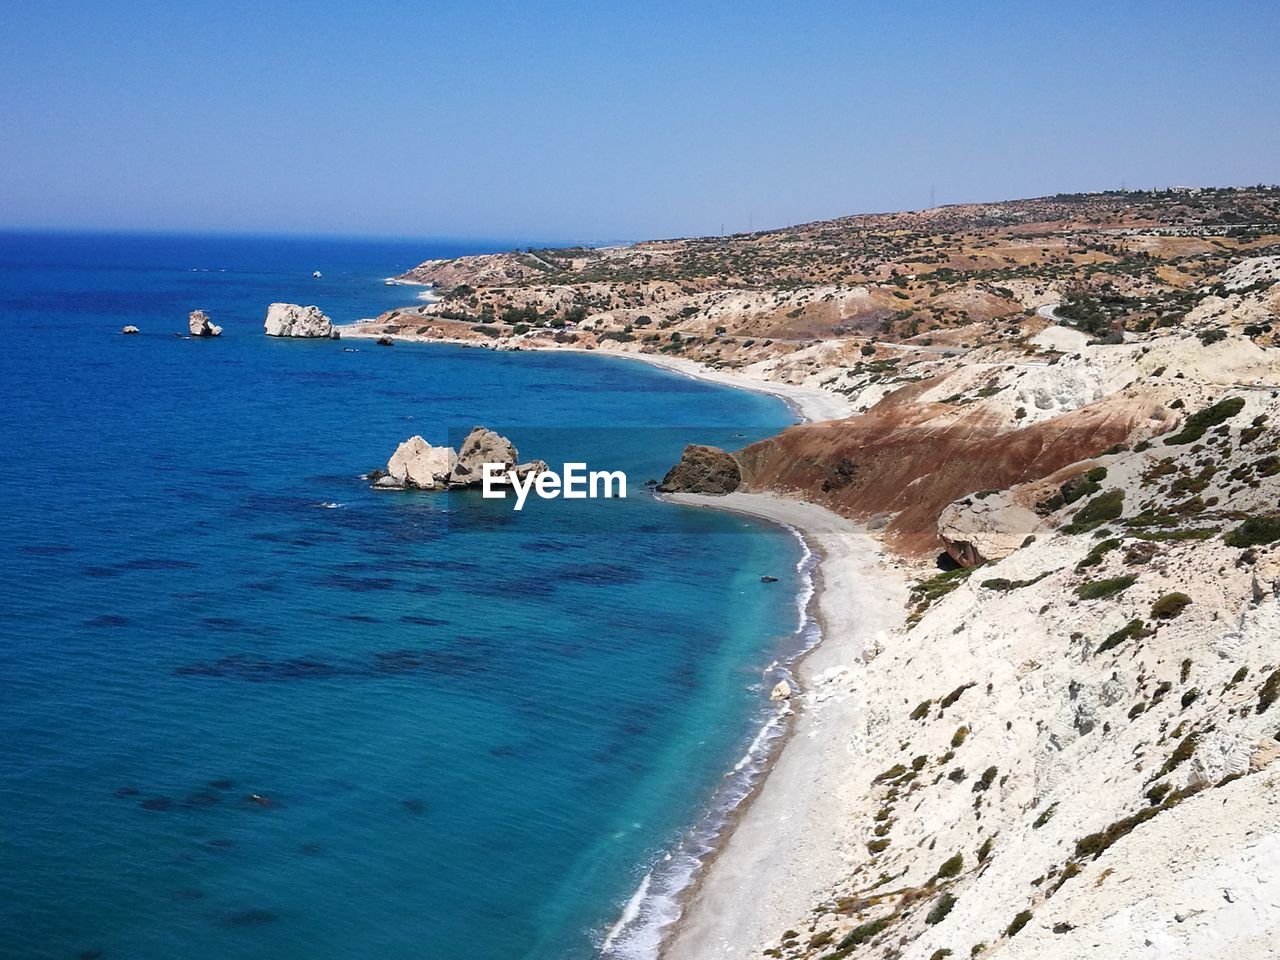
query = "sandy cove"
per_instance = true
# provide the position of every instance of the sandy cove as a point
(809, 403)
(783, 853)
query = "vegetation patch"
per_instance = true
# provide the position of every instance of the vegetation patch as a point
(1096, 844)
(951, 867)
(1100, 550)
(1181, 753)
(1194, 427)
(984, 851)
(1169, 606)
(1045, 816)
(864, 932)
(927, 591)
(1002, 584)
(1134, 628)
(1101, 589)
(1270, 690)
(941, 907)
(954, 695)
(1255, 532)
(1190, 533)
(1020, 920)
(1103, 507)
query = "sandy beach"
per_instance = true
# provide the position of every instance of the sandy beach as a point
(808, 402)
(781, 853)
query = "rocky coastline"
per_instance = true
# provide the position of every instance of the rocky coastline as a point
(1040, 458)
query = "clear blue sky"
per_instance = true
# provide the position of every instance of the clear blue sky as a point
(602, 120)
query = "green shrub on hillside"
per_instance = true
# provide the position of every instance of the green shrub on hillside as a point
(938, 912)
(1255, 532)
(951, 867)
(1169, 606)
(1195, 425)
(864, 932)
(1019, 921)
(1103, 507)
(1094, 556)
(1131, 629)
(1100, 589)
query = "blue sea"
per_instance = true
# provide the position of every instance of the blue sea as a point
(251, 708)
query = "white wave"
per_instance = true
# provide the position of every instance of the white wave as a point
(657, 902)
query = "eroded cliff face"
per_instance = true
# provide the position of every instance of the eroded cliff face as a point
(1071, 752)
(902, 463)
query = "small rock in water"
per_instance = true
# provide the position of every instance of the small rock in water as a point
(768, 579)
(781, 692)
(385, 342)
(199, 324)
(413, 805)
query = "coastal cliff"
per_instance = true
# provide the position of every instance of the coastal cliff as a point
(1060, 419)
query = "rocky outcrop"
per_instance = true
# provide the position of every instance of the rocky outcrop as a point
(418, 465)
(1266, 576)
(199, 324)
(481, 446)
(129, 329)
(985, 526)
(703, 469)
(292, 320)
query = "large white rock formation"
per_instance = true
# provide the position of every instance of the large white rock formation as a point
(292, 320)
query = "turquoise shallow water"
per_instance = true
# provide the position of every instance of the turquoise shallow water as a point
(473, 732)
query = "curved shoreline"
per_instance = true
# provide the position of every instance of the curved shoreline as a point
(770, 857)
(808, 403)
(775, 858)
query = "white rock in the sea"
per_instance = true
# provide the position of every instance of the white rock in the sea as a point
(781, 692)
(419, 465)
(483, 446)
(199, 324)
(292, 320)
(129, 329)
